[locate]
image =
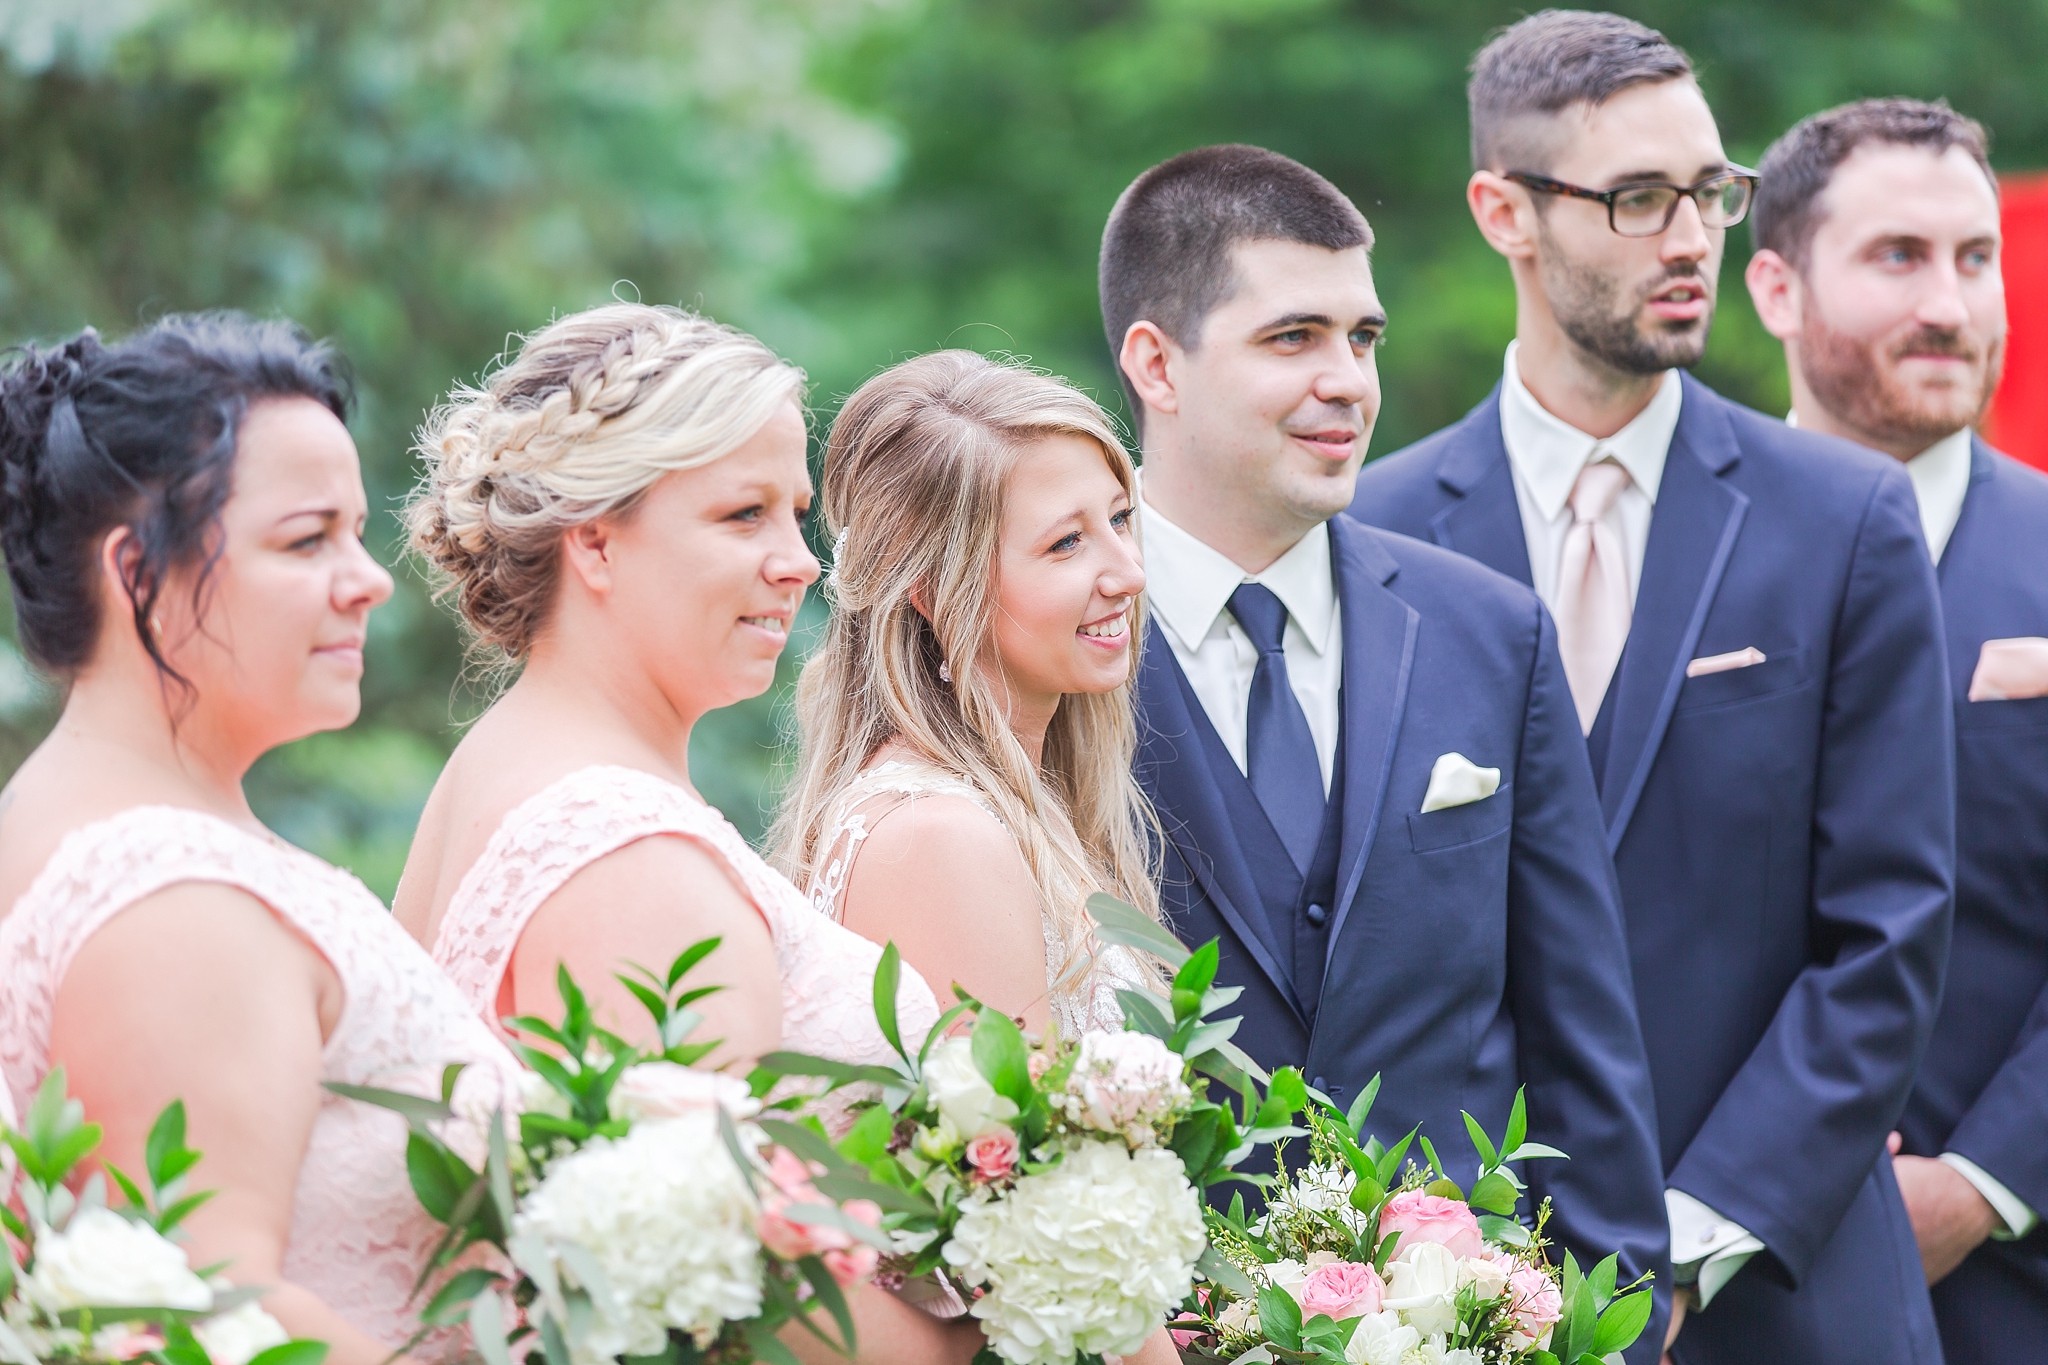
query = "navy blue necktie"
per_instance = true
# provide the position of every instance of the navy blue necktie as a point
(1279, 749)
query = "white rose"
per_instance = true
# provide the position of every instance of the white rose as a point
(664, 1090)
(669, 1219)
(959, 1090)
(536, 1096)
(1488, 1277)
(1380, 1339)
(1436, 1351)
(1241, 1316)
(1288, 1275)
(1423, 1287)
(101, 1260)
(1087, 1257)
(240, 1335)
(1125, 1083)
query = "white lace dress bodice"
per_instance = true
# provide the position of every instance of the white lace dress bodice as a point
(358, 1236)
(827, 970)
(1086, 1004)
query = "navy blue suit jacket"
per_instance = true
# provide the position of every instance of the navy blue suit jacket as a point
(1983, 1090)
(1784, 836)
(1471, 950)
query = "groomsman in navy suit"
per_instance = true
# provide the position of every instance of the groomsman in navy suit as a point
(1877, 229)
(1362, 748)
(1752, 632)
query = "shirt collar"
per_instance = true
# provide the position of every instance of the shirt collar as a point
(1188, 582)
(1549, 452)
(1941, 481)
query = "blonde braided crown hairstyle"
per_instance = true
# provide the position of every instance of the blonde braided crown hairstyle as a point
(591, 413)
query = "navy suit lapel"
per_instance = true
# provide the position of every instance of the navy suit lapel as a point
(1190, 807)
(1692, 533)
(1981, 470)
(1379, 655)
(1485, 521)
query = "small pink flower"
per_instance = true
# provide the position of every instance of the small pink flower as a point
(1420, 1217)
(1040, 1063)
(993, 1155)
(1342, 1290)
(1185, 1337)
(131, 1345)
(852, 1264)
(1536, 1303)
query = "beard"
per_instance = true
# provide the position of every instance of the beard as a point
(1857, 380)
(1601, 314)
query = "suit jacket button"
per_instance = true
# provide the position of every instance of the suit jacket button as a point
(1318, 916)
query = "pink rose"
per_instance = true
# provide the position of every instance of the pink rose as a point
(993, 1154)
(1420, 1217)
(783, 1236)
(1184, 1337)
(1342, 1290)
(852, 1265)
(1534, 1299)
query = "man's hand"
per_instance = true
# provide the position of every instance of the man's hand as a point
(1681, 1302)
(1950, 1219)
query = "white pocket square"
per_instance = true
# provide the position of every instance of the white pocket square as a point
(1721, 663)
(1457, 781)
(2011, 670)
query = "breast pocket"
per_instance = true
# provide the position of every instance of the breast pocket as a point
(1779, 673)
(1458, 826)
(2027, 713)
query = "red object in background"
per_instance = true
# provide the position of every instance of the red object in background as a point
(2018, 421)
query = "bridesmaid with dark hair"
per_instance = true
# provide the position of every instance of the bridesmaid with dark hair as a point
(181, 515)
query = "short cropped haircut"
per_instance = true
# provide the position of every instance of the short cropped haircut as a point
(1548, 62)
(1166, 249)
(1799, 166)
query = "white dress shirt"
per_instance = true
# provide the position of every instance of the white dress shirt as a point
(1546, 454)
(1188, 586)
(1941, 482)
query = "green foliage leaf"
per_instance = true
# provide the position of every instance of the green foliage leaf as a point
(888, 975)
(451, 1302)
(416, 1110)
(433, 1183)
(1120, 922)
(1494, 1193)
(1217, 1269)
(292, 1353)
(1001, 1055)
(1280, 1317)
(1488, 1156)
(1622, 1323)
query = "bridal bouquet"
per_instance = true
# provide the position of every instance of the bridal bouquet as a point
(1054, 1183)
(639, 1207)
(87, 1283)
(1360, 1261)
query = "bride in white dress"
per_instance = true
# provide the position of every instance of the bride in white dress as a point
(965, 779)
(182, 524)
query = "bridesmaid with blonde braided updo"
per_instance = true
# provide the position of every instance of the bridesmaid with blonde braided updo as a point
(617, 514)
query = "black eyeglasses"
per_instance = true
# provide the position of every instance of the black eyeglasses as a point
(1646, 208)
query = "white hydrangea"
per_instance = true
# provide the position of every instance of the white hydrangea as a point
(240, 1335)
(1086, 1257)
(670, 1221)
(1128, 1084)
(665, 1090)
(102, 1260)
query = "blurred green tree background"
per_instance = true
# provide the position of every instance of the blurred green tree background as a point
(854, 180)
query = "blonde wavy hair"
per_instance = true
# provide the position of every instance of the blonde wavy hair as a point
(591, 413)
(914, 484)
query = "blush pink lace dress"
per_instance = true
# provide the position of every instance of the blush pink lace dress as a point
(358, 1237)
(827, 970)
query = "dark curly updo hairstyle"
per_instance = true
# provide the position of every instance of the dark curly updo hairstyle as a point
(139, 434)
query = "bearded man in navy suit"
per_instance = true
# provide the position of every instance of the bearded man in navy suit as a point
(1753, 635)
(1878, 241)
(1361, 748)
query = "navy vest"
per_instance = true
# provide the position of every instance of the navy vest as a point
(1296, 911)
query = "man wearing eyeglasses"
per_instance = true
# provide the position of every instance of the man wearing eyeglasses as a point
(1751, 630)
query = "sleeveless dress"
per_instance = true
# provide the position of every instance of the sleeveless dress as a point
(358, 1236)
(1084, 1005)
(827, 970)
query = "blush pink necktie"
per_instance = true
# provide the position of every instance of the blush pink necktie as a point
(1592, 589)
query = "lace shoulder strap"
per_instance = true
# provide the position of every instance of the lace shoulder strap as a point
(556, 833)
(857, 814)
(103, 868)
